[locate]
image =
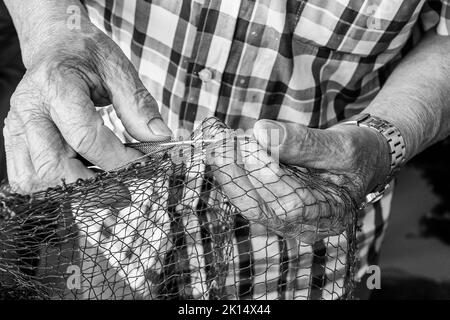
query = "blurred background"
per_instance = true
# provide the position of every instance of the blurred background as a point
(415, 258)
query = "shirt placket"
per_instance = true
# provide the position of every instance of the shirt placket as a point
(208, 61)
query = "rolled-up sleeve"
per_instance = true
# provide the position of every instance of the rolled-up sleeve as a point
(436, 14)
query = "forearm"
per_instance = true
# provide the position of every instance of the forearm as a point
(416, 97)
(38, 22)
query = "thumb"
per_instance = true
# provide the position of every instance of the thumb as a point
(134, 105)
(299, 145)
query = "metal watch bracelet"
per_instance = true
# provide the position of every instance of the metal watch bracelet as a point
(396, 145)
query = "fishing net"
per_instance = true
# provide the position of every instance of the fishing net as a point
(216, 218)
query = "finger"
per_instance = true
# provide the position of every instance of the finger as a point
(134, 105)
(52, 159)
(303, 146)
(285, 201)
(251, 181)
(283, 191)
(259, 203)
(234, 180)
(82, 127)
(21, 174)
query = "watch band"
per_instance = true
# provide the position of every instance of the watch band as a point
(396, 145)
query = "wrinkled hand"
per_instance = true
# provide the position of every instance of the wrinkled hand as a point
(337, 167)
(53, 116)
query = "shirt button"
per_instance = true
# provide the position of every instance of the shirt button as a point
(205, 75)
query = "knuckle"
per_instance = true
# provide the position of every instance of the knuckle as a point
(12, 126)
(351, 152)
(19, 97)
(83, 140)
(72, 67)
(345, 149)
(299, 139)
(350, 145)
(47, 168)
(141, 93)
(8, 125)
(31, 119)
(25, 103)
(21, 183)
(145, 102)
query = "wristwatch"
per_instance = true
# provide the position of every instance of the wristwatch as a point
(396, 145)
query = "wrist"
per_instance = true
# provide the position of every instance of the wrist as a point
(386, 134)
(383, 158)
(45, 25)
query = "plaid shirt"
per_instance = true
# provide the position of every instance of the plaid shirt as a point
(313, 62)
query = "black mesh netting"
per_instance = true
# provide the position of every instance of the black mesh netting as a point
(218, 218)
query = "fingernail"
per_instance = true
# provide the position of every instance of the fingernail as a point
(269, 133)
(159, 128)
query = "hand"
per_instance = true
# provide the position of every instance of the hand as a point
(358, 154)
(53, 116)
(337, 167)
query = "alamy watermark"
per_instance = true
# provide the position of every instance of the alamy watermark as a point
(74, 19)
(373, 281)
(376, 10)
(73, 281)
(373, 22)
